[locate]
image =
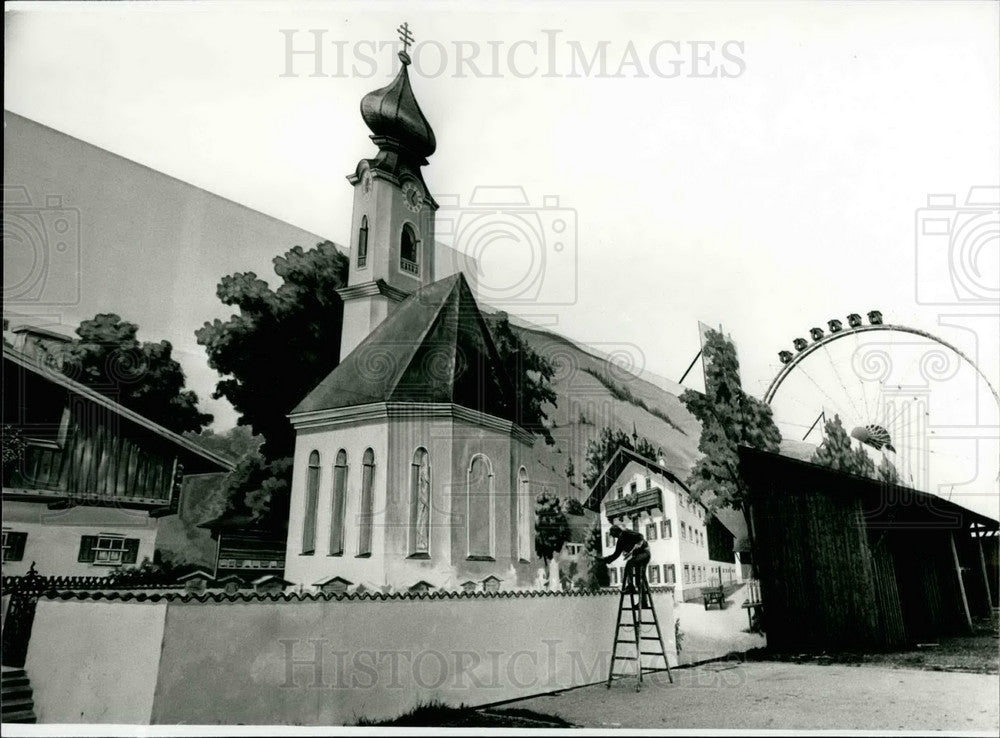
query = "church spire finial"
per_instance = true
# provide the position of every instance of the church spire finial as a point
(407, 38)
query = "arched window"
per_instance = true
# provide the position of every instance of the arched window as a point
(363, 242)
(409, 250)
(480, 507)
(524, 511)
(339, 501)
(312, 499)
(367, 502)
(420, 503)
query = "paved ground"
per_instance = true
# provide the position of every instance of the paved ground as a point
(767, 695)
(713, 633)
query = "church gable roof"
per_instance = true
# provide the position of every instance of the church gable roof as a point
(434, 348)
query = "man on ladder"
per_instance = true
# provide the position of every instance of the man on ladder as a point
(636, 550)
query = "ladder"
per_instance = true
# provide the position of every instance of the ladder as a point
(639, 604)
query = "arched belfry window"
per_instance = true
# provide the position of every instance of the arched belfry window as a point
(480, 507)
(339, 501)
(420, 503)
(367, 503)
(363, 243)
(312, 500)
(409, 250)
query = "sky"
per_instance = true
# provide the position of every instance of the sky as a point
(759, 166)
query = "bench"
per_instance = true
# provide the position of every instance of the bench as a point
(714, 596)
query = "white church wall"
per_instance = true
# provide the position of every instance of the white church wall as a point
(308, 569)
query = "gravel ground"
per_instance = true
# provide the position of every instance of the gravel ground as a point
(760, 696)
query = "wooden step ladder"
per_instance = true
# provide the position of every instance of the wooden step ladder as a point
(637, 611)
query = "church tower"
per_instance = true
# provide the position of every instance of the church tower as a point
(392, 229)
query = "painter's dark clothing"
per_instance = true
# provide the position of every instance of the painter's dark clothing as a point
(629, 540)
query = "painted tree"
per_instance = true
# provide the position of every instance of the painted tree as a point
(608, 441)
(570, 471)
(597, 573)
(573, 506)
(886, 472)
(530, 372)
(837, 451)
(729, 418)
(282, 343)
(108, 357)
(551, 528)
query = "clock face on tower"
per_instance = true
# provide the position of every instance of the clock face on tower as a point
(413, 197)
(367, 185)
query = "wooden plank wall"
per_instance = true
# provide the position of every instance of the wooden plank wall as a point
(928, 585)
(98, 458)
(816, 570)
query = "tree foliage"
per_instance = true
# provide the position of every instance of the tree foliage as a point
(551, 526)
(234, 444)
(729, 418)
(530, 372)
(108, 357)
(608, 441)
(573, 506)
(597, 573)
(837, 451)
(282, 343)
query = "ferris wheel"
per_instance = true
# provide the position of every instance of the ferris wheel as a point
(901, 392)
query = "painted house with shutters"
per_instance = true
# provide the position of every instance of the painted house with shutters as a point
(689, 547)
(92, 480)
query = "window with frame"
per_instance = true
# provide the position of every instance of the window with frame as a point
(409, 251)
(621, 492)
(613, 573)
(687, 573)
(108, 549)
(339, 503)
(684, 533)
(666, 528)
(13, 545)
(670, 573)
(650, 531)
(312, 501)
(363, 243)
(633, 488)
(653, 574)
(649, 483)
(367, 503)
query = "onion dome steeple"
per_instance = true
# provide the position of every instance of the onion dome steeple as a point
(393, 115)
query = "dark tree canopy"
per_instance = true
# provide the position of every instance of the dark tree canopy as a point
(551, 526)
(601, 449)
(530, 372)
(282, 343)
(234, 444)
(729, 418)
(597, 574)
(108, 357)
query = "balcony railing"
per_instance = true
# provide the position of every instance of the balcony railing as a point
(409, 266)
(633, 504)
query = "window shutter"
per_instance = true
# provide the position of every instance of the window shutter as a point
(87, 544)
(131, 551)
(16, 542)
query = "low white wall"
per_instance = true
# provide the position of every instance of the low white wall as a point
(95, 662)
(333, 662)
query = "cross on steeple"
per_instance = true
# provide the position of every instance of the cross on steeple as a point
(405, 36)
